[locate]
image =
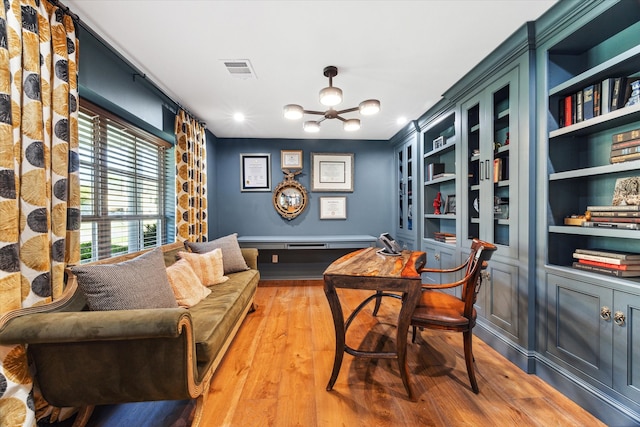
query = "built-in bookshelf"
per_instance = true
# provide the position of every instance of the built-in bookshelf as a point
(439, 165)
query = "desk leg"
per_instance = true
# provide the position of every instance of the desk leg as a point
(338, 323)
(410, 300)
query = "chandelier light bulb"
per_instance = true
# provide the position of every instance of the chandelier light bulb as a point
(311, 126)
(369, 107)
(293, 112)
(352, 125)
(331, 96)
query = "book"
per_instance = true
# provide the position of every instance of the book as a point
(605, 95)
(579, 107)
(623, 267)
(597, 101)
(617, 225)
(619, 90)
(497, 170)
(626, 150)
(614, 219)
(616, 208)
(625, 158)
(603, 270)
(434, 169)
(568, 111)
(625, 144)
(615, 214)
(587, 102)
(609, 253)
(626, 136)
(606, 259)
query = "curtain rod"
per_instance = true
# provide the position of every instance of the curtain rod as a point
(136, 71)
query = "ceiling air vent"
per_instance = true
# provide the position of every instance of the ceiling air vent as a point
(239, 68)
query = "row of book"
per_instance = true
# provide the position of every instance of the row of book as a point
(626, 217)
(625, 146)
(612, 263)
(444, 237)
(600, 98)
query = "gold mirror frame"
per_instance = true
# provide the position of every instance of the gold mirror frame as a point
(290, 197)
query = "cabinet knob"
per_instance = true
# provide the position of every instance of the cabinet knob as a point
(605, 313)
(619, 318)
(485, 275)
(437, 257)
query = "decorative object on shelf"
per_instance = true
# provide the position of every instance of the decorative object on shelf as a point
(333, 207)
(331, 96)
(500, 207)
(255, 172)
(437, 202)
(439, 142)
(450, 205)
(634, 98)
(332, 172)
(506, 142)
(290, 159)
(290, 197)
(575, 220)
(627, 191)
(434, 169)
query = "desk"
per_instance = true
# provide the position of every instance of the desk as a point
(366, 269)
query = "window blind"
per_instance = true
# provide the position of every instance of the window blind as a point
(125, 186)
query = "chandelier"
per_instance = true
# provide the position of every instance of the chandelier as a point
(331, 96)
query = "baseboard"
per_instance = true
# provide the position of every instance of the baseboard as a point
(516, 354)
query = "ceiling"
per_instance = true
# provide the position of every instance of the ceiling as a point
(404, 53)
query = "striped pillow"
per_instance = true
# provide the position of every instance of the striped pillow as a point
(186, 285)
(207, 266)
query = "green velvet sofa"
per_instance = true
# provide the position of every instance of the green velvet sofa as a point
(86, 358)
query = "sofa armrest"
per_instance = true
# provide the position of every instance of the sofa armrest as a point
(251, 257)
(59, 327)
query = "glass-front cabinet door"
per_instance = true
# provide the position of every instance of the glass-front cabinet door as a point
(405, 226)
(490, 134)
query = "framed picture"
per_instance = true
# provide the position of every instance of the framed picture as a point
(291, 159)
(255, 172)
(438, 142)
(333, 208)
(450, 205)
(332, 172)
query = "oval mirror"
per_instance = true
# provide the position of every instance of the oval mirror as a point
(290, 198)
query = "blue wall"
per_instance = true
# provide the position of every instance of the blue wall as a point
(369, 207)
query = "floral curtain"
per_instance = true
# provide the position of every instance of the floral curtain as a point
(39, 186)
(191, 179)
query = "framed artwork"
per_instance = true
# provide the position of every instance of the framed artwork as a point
(255, 172)
(450, 205)
(333, 207)
(332, 172)
(291, 159)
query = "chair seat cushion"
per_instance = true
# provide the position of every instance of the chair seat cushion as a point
(440, 310)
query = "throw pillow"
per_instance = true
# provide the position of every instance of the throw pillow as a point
(207, 266)
(232, 258)
(141, 282)
(187, 287)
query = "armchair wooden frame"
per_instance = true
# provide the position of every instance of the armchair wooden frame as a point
(437, 310)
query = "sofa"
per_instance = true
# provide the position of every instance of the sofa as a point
(83, 357)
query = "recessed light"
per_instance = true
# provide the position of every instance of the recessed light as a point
(238, 117)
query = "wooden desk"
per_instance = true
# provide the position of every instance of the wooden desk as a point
(367, 269)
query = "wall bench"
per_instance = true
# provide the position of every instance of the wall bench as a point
(302, 257)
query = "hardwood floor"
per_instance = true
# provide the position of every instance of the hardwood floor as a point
(276, 371)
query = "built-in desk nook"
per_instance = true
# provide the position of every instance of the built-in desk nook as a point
(302, 257)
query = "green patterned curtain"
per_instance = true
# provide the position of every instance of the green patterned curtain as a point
(39, 186)
(191, 179)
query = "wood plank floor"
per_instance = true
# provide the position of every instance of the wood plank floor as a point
(276, 371)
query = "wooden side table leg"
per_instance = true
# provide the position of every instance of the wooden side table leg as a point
(338, 323)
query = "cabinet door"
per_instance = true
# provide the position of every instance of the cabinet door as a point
(499, 296)
(440, 257)
(626, 351)
(405, 166)
(578, 338)
(490, 131)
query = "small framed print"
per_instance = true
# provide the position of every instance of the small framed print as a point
(438, 142)
(255, 172)
(291, 159)
(333, 208)
(450, 205)
(332, 172)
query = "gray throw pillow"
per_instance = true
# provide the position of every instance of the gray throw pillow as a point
(141, 282)
(232, 259)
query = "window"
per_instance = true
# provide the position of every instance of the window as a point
(126, 186)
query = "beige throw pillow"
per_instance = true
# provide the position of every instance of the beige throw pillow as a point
(187, 287)
(207, 266)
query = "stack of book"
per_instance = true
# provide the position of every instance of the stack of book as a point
(434, 169)
(625, 146)
(444, 237)
(625, 217)
(618, 264)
